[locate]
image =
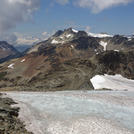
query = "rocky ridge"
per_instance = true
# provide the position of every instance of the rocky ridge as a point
(7, 51)
(67, 61)
(9, 122)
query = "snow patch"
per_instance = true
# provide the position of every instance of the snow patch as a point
(11, 65)
(116, 50)
(72, 46)
(99, 35)
(129, 39)
(23, 60)
(74, 30)
(69, 35)
(97, 81)
(54, 41)
(104, 44)
(114, 82)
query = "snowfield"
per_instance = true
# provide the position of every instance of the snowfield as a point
(76, 112)
(114, 82)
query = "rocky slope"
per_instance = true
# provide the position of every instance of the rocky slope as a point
(9, 123)
(119, 43)
(74, 74)
(67, 61)
(7, 51)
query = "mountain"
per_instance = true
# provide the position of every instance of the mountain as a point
(7, 51)
(22, 48)
(80, 40)
(67, 61)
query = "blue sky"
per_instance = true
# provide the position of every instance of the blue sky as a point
(41, 18)
(53, 16)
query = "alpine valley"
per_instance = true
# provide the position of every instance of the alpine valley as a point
(66, 61)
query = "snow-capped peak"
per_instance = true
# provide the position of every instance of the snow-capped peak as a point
(74, 30)
(99, 35)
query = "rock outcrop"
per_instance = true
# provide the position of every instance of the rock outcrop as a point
(9, 122)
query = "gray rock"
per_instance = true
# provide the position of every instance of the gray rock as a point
(9, 123)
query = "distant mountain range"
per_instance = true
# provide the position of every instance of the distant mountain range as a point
(68, 60)
(8, 52)
(6, 49)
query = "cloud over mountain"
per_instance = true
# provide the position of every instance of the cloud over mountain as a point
(14, 11)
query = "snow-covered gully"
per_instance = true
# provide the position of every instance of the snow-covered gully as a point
(76, 112)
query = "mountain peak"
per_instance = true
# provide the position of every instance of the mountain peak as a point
(61, 37)
(3, 42)
(71, 30)
(58, 33)
(6, 50)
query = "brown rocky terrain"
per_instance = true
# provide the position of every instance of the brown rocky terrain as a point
(73, 74)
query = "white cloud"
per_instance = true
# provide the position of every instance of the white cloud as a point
(44, 33)
(25, 40)
(87, 29)
(63, 2)
(99, 5)
(13, 12)
(18, 39)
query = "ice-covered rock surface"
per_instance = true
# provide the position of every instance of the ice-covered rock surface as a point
(76, 112)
